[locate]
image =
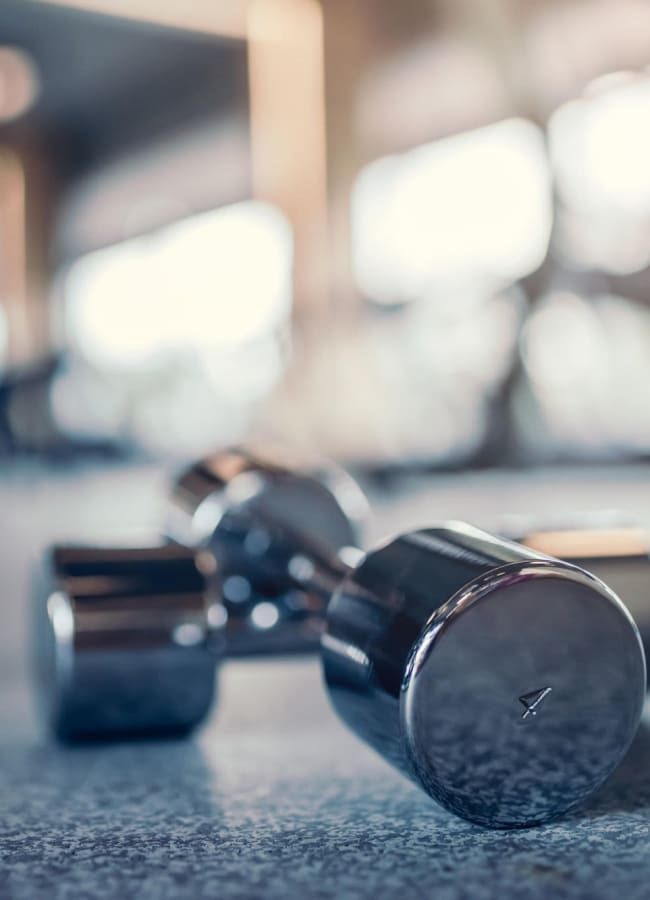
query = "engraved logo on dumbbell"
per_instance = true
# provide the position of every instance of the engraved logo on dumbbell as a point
(533, 700)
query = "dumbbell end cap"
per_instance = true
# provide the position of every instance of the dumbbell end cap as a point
(522, 694)
(121, 643)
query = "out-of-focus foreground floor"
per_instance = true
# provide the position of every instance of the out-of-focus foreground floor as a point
(273, 798)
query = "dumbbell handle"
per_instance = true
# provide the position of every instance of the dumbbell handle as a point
(147, 595)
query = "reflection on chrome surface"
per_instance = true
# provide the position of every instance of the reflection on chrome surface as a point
(123, 644)
(434, 639)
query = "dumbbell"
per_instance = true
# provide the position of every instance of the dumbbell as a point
(505, 683)
(246, 506)
(127, 639)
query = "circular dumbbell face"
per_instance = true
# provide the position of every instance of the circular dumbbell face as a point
(522, 695)
(507, 684)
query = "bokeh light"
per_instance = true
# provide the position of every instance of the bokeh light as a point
(19, 83)
(588, 376)
(600, 147)
(176, 336)
(474, 209)
(220, 278)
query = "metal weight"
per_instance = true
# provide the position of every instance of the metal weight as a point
(125, 643)
(127, 640)
(255, 513)
(505, 683)
(508, 685)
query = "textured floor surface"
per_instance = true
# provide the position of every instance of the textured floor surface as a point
(273, 798)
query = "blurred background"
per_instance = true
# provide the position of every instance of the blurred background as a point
(402, 235)
(409, 235)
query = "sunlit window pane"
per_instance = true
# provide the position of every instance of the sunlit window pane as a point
(588, 376)
(177, 336)
(221, 278)
(600, 147)
(471, 209)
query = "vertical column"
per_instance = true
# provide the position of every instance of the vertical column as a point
(288, 131)
(24, 241)
(13, 276)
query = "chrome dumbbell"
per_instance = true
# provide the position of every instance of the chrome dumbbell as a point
(248, 510)
(127, 639)
(505, 683)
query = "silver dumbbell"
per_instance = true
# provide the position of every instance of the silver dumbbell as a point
(505, 683)
(128, 638)
(252, 513)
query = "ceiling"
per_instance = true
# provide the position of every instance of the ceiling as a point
(110, 84)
